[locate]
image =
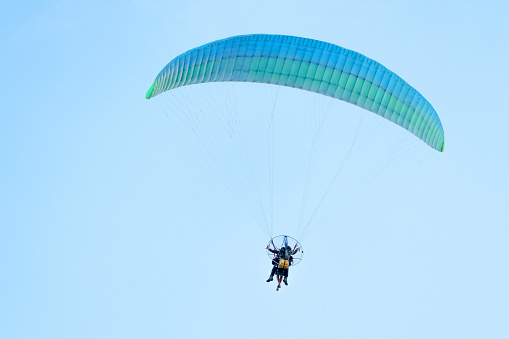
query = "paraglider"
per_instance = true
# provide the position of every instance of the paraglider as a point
(309, 65)
(283, 258)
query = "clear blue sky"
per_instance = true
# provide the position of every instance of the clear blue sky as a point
(112, 226)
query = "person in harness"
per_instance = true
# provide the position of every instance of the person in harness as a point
(283, 259)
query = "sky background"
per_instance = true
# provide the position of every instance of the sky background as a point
(113, 226)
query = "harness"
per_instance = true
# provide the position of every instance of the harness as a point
(284, 258)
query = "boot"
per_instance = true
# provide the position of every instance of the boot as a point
(285, 280)
(270, 278)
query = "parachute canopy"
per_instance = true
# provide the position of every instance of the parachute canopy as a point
(310, 65)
